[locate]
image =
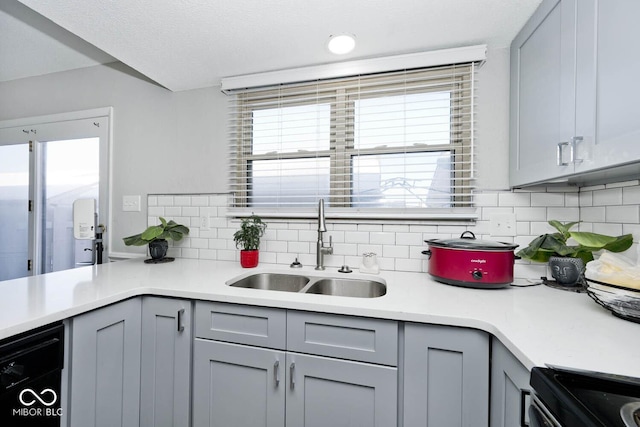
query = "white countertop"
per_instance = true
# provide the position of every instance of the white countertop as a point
(538, 324)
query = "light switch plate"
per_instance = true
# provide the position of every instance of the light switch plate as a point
(503, 225)
(131, 203)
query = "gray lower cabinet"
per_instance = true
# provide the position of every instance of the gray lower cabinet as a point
(330, 392)
(236, 383)
(105, 366)
(509, 388)
(446, 377)
(165, 379)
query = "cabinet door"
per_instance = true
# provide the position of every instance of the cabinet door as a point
(446, 377)
(325, 392)
(609, 35)
(542, 108)
(237, 385)
(509, 388)
(166, 362)
(105, 360)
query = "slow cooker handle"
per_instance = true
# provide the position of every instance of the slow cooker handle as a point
(428, 253)
(473, 236)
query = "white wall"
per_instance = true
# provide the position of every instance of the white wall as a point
(175, 142)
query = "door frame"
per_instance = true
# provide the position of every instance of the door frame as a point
(11, 130)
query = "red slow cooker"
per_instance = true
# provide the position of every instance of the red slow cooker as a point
(470, 262)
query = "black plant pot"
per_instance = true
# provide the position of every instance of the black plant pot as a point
(567, 271)
(158, 248)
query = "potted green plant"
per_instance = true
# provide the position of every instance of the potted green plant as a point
(567, 261)
(156, 237)
(248, 238)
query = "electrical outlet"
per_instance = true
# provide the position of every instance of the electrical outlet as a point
(131, 203)
(503, 225)
(204, 219)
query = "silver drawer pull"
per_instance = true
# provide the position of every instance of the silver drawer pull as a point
(292, 379)
(179, 318)
(276, 372)
(574, 141)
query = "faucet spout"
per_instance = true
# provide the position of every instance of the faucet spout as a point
(322, 226)
(321, 249)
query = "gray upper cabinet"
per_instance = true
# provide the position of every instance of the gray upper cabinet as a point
(165, 387)
(446, 377)
(543, 94)
(510, 389)
(105, 360)
(573, 93)
(608, 88)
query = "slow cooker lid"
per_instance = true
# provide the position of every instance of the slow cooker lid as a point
(468, 241)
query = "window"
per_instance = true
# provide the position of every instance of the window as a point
(388, 142)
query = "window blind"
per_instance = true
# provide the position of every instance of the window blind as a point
(394, 142)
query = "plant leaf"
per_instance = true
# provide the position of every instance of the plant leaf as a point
(163, 222)
(153, 232)
(621, 244)
(135, 240)
(563, 228)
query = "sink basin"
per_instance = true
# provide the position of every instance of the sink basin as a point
(272, 282)
(348, 288)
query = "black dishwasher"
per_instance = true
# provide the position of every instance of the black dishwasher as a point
(30, 376)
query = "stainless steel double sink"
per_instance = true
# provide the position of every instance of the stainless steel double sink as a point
(320, 285)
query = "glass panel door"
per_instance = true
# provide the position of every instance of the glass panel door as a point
(14, 212)
(69, 170)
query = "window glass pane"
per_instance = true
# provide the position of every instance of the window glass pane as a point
(291, 182)
(412, 180)
(291, 129)
(403, 120)
(14, 216)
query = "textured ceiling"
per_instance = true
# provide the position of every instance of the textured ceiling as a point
(188, 44)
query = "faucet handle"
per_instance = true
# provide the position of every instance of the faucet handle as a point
(330, 241)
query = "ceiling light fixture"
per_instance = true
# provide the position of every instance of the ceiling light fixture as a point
(341, 43)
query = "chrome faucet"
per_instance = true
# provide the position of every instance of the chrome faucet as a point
(321, 249)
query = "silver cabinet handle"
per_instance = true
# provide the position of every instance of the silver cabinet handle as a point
(559, 153)
(276, 372)
(574, 141)
(292, 379)
(179, 318)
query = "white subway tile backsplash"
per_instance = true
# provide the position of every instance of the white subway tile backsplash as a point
(155, 211)
(199, 201)
(165, 200)
(631, 195)
(370, 227)
(356, 236)
(530, 214)
(592, 214)
(547, 199)
(514, 199)
(563, 214)
(623, 214)
(173, 211)
(611, 209)
(383, 238)
(392, 251)
(608, 197)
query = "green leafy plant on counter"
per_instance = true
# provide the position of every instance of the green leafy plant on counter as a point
(166, 230)
(251, 230)
(555, 244)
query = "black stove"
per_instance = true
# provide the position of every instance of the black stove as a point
(571, 398)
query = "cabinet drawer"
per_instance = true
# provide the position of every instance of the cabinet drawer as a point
(241, 324)
(345, 337)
